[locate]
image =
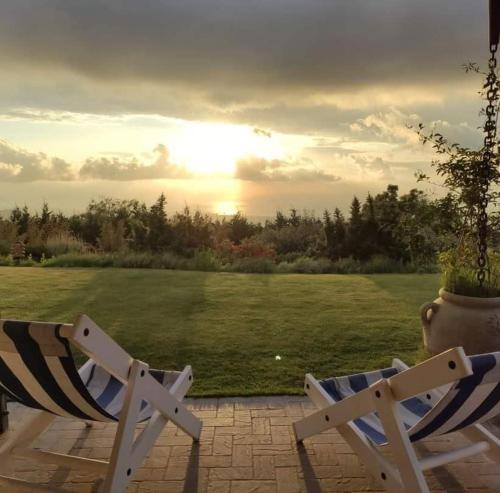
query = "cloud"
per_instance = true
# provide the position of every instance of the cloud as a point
(18, 165)
(256, 169)
(376, 164)
(227, 58)
(390, 126)
(262, 133)
(120, 169)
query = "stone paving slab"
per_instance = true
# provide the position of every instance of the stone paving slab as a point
(247, 446)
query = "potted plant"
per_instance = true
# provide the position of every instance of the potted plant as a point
(467, 312)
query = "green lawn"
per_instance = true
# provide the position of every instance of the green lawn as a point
(231, 327)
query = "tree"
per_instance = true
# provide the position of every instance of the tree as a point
(386, 205)
(159, 231)
(294, 218)
(340, 233)
(239, 228)
(280, 220)
(21, 217)
(190, 232)
(112, 237)
(355, 228)
(46, 215)
(330, 236)
(370, 241)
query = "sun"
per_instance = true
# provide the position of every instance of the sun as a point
(226, 208)
(215, 148)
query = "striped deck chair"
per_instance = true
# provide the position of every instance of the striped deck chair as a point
(37, 369)
(398, 406)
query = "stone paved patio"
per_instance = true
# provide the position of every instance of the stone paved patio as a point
(247, 446)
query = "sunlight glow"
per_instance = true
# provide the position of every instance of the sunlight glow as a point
(226, 208)
(215, 148)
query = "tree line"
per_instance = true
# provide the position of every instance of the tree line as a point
(408, 228)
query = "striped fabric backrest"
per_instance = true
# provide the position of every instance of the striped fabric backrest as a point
(410, 410)
(38, 370)
(470, 400)
(473, 399)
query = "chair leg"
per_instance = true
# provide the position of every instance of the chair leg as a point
(27, 433)
(120, 469)
(404, 454)
(22, 438)
(478, 433)
(14, 485)
(378, 466)
(129, 452)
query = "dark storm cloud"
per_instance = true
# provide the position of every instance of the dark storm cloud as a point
(18, 165)
(256, 169)
(228, 53)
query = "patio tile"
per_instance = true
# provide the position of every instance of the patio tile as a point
(263, 467)
(247, 446)
(242, 455)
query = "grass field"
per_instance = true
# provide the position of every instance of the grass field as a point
(231, 327)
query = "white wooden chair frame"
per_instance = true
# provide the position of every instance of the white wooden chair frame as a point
(127, 453)
(406, 474)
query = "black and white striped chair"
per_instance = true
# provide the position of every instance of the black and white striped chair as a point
(37, 369)
(398, 406)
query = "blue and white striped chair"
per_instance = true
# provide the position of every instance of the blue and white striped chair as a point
(37, 369)
(398, 406)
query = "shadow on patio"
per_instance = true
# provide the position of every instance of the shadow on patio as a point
(247, 446)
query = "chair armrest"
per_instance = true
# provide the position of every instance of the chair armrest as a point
(355, 406)
(445, 368)
(95, 343)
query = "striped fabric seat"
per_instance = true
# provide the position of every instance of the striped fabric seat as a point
(37, 369)
(470, 400)
(109, 393)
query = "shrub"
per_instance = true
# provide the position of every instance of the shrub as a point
(204, 260)
(134, 260)
(150, 260)
(254, 247)
(27, 262)
(249, 247)
(8, 236)
(37, 251)
(258, 265)
(64, 242)
(289, 257)
(169, 260)
(347, 265)
(112, 237)
(208, 261)
(306, 265)
(56, 244)
(6, 260)
(380, 264)
(307, 237)
(80, 260)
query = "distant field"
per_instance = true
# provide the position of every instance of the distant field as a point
(231, 327)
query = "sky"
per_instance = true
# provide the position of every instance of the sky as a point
(226, 105)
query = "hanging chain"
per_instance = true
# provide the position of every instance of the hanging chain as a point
(489, 155)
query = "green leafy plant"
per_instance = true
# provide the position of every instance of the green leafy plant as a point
(458, 268)
(472, 180)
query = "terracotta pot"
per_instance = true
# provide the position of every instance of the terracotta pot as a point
(453, 320)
